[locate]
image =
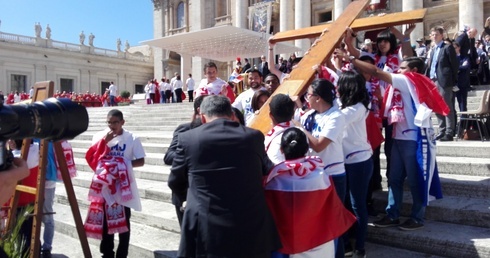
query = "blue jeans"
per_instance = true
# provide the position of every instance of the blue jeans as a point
(112, 100)
(358, 177)
(404, 164)
(48, 219)
(339, 181)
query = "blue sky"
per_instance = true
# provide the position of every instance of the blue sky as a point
(108, 20)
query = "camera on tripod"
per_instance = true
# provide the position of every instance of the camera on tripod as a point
(52, 119)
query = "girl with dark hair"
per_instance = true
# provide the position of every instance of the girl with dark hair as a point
(354, 101)
(307, 211)
(177, 86)
(258, 100)
(324, 125)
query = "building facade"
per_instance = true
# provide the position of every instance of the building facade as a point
(174, 17)
(77, 68)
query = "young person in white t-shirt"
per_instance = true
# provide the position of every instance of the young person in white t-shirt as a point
(354, 101)
(115, 144)
(324, 125)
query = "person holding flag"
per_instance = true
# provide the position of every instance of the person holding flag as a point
(409, 103)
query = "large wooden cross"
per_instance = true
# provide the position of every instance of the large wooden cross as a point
(329, 37)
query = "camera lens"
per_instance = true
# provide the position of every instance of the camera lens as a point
(51, 119)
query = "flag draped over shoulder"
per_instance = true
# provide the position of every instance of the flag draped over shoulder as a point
(427, 93)
(426, 98)
(304, 204)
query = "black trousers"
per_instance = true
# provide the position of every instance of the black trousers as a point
(178, 94)
(107, 243)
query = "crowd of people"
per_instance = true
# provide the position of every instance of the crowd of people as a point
(323, 149)
(169, 90)
(238, 193)
(336, 128)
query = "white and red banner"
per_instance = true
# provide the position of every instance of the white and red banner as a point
(305, 205)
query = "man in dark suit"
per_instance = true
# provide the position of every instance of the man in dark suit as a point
(223, 163)
(246, 66)
(264, 66)
(179, 199)
(443, 70)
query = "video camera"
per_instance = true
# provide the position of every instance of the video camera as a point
(52, 119)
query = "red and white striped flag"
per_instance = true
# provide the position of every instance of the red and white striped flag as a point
(305, 205)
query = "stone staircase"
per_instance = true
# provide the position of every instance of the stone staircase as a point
(457, 226)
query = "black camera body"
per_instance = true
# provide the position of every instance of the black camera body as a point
(52, 119)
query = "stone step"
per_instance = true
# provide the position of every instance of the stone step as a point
(464, 208)
(150, 172)
(452, 184)
(159, 145)
(458, 165)
(146, 241)
(148, 189)
(436, 238)
(146, 139)
(156, 151)
(450, 209)
(156, 213)
(67, 244)
(150, 159)
(456, 185)
(464, 186)
(157, 129)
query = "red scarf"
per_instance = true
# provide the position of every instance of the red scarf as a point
(111, 178)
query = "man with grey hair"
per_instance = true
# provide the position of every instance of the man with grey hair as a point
(220, 165)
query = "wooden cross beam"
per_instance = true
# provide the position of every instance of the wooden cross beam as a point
(329, 37)
(368, 23)
(301, 76)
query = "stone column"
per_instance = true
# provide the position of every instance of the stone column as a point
(197, 22)
(241, 10)
(171, 12)
(159, 29)
(185, 66)
(286, 18)
(302, 19)
(418, 32)
(339, 7)
(286, 15)
(471, 14)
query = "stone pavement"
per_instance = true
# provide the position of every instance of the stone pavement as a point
(457, 226)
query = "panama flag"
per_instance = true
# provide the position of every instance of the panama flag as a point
(304, 204)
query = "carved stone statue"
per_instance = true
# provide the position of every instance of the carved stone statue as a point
(82, 38)
(126, 46)
(91, 40)
(48, 32)
(118, 44)
(38, 29)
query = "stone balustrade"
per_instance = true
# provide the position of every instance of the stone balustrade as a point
(49, 43)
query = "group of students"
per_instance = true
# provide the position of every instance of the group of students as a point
(343, 130)
(319, 151)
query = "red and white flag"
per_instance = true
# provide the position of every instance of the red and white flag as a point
(305, 205)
